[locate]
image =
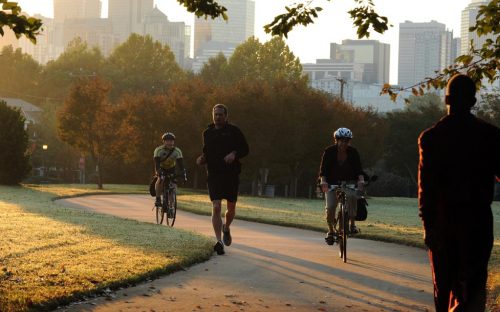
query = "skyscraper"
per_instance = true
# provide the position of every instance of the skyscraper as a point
(423, 49)
(236, 30)
(173, 34)
(374, 55)
(70, 9)
(469, 19)
(127, 16)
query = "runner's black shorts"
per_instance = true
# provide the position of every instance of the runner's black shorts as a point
(223, 186)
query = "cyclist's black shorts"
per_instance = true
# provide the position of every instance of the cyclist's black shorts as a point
(223, 186)
(168, 172)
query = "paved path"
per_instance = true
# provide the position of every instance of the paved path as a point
(271, 268)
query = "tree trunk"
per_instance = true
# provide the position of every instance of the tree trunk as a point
(97, 161)
(99, 175)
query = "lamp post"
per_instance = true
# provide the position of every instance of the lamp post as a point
(45, 147)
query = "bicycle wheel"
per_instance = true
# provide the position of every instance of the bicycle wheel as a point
(172, 205)
(159, 215)
(345, 226)
(341, 231)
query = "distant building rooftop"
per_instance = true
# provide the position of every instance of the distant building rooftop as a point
(30, 112)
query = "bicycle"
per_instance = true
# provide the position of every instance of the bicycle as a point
(343, 214)
(168, 208)
(342, 217)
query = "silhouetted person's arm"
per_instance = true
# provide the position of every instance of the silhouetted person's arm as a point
(427, 189)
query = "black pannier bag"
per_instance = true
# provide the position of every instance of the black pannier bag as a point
(362, 212)
(152, 189)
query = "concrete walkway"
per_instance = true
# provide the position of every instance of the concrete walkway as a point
(271, 268)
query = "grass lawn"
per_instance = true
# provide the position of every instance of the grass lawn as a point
(389, 219)
(51, 255)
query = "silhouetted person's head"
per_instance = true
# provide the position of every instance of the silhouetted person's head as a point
(460, 94)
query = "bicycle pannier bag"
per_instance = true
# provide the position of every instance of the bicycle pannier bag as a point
(362, 212)
(152, 189)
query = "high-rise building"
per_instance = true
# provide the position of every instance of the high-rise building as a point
(96, 32)
(173, 34)
(235, 31)
(374, 55)
(455, 48)
(423, 49)
(70, 9)
(127, 16)
(469, 15)
(45, 48)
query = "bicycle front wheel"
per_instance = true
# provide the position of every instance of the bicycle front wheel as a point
(345, 226)
(159, 215)
(172, 206)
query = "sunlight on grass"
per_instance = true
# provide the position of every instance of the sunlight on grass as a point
(50, 254)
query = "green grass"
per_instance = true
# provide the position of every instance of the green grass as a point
(389, 219)
(51, 255)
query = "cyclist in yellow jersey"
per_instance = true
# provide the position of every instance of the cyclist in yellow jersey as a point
(166, 157)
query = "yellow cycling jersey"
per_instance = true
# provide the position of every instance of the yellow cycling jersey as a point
(167, 162)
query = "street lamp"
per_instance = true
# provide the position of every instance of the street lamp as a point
(45, 147)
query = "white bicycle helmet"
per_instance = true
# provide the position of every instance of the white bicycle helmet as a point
(167, 136)
(342, 133)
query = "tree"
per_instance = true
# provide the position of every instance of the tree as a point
(252, 60)
(20, 73)
(300, 13)
(480, 63)
(86, 122)
(11, 16)
(78, 61)
(14, 160)
(141, 64)
(368, 127)
(401, 150)
(215, 71)
(489, 108)
(271, 61)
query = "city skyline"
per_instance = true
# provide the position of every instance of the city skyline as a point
(313, 42)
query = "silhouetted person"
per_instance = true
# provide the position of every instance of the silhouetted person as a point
(223, 146)
(459, 159)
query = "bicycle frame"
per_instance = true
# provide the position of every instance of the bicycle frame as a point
(343, 217)
(169, 203)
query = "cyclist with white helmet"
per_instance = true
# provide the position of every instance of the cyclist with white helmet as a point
(166, 157)
(340, 162)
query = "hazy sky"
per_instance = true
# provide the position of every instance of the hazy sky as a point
(333, 24)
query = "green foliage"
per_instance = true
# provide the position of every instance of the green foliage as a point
(11, 16)
(252, 60)
(300, 13)
(205, 8)
(401, 150)
(363, 16)
(20, 72)
(78, 61)
(14, 160)
(215, 70)
(489, 108)
(142, 65)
